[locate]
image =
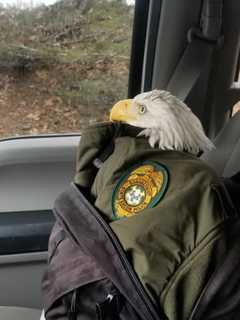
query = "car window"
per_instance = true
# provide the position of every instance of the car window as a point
(62, 63)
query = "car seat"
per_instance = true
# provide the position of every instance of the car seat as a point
(225, 159)
(18, 313)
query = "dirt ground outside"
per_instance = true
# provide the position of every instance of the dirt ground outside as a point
(34, 104)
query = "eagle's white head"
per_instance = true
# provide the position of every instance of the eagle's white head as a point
(167, 121)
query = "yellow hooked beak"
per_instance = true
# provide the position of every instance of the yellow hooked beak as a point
(122, 111)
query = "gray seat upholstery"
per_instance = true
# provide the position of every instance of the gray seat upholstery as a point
(225, 159)
(17, 313)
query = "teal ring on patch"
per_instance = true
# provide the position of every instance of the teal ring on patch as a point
(142, 186)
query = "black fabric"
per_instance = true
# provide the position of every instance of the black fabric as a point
(233, 186)
(85, 302)
(69, 267)
(89, 257)
(98, 240)
(110, 308)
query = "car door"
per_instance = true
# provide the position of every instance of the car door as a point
(33, 172)
(62, 66)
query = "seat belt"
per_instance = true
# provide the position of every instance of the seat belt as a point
(202, 42)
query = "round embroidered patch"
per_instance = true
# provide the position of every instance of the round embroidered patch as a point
(143, 186)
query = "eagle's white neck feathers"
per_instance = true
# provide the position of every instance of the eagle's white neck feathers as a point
(170, 124)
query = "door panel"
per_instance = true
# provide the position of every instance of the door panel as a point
(20, 278)
(33, 172)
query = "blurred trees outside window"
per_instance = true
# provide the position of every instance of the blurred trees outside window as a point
(62, 65)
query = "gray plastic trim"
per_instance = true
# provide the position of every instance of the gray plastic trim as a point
(33, 150)
(16, 313)
(35, 170)
(23, 258)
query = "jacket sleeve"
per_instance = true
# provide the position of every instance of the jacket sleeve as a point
(93, 140)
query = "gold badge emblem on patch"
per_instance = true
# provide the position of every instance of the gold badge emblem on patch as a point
(142, 187)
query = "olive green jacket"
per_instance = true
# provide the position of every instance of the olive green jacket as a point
(175, 245)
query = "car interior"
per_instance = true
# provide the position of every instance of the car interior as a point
(192, 50)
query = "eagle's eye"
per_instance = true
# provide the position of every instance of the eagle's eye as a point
(141, 109)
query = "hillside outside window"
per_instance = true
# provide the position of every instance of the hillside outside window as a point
(62, 63)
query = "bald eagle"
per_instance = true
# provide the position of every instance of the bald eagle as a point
(166, 121)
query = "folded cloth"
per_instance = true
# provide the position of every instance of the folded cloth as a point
(163, 207)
